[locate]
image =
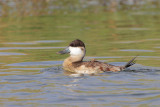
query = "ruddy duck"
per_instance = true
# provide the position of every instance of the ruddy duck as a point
(74, 63)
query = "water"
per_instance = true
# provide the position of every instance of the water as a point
(31, 74)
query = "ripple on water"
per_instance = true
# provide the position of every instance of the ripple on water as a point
(133, 28)
(53, 87)
(43, 63)
(149, 56)
(10, 48)
(157, 47)
(49, 41)
(146, 13)
(10, 53)
(137, 41)
(34, 42)
(136, 50)
(25, 69)
(98, 57)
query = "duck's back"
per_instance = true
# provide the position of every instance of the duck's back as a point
(90, 67)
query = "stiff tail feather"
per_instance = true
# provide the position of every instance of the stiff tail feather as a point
(130, 63)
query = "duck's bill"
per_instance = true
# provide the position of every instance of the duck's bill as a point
(65, 51)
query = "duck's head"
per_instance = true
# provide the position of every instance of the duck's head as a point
(76, 49)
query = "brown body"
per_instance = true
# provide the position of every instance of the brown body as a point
(89, 67)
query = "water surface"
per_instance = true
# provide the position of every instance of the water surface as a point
(31, 74)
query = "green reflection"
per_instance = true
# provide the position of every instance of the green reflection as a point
(104, 28)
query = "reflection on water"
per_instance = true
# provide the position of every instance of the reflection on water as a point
(103, 57)
(10, 53)
(34, 42)
(136, 50)
(139, 41)
(49, 7)
(10, 48)
(43, 63)
(114, 31)
(54, 87)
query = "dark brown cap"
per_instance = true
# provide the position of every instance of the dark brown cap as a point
(77, 43)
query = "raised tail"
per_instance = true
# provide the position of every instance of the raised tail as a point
(130, 63)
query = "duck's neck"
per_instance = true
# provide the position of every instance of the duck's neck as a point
(72, 59)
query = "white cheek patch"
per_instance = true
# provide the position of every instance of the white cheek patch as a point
(75, 51)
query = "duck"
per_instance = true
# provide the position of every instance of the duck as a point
(75, 64)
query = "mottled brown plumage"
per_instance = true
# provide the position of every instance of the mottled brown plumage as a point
(93, 64)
